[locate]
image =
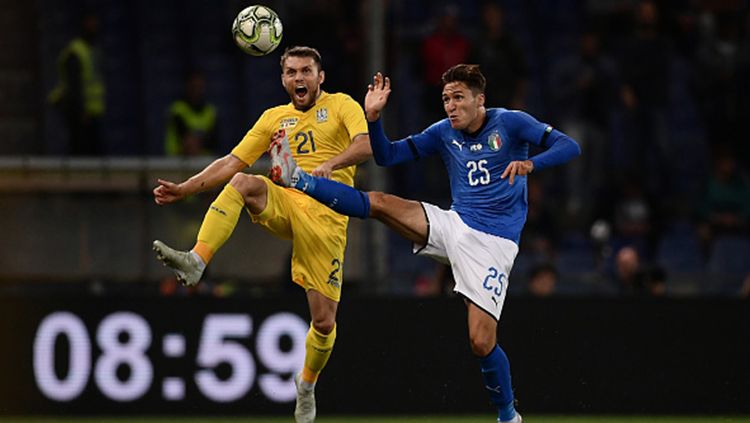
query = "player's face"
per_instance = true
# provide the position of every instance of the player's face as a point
(302, 78)
(464, 109)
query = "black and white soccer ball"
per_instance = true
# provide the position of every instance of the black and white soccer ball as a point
(257, 30)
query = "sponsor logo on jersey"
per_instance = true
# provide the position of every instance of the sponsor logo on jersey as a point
(460, 145)
(322, 115)
(494, 141)
(287, 123)
(475, 147)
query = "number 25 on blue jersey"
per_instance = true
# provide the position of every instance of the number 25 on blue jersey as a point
(478, 173)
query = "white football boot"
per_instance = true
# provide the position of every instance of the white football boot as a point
(184, 264)
(517, 419)
(304, 411)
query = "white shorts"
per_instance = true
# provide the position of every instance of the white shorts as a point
(480, 262)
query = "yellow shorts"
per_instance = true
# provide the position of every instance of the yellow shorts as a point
(318, 237)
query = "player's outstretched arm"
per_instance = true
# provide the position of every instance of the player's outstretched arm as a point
(377, 96)
(219, 171)
(358, 152)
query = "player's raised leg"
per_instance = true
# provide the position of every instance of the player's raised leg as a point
(218, 225)
(493, 361)
(404, 216)
(340, 197)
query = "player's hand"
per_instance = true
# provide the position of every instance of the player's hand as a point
(324, 170)
(167, 192)
(377, 96)
(518, 167)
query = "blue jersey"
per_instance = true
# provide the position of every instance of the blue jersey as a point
(476, 161)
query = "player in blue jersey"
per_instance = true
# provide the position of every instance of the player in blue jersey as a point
(486, 154)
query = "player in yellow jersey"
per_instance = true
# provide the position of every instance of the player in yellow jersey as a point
(328, 137)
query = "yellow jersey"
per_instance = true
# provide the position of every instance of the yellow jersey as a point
(315, 135)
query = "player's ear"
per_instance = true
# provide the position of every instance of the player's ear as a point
(480, 99)
(321, 76)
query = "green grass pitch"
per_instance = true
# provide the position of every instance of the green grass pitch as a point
(393, 419)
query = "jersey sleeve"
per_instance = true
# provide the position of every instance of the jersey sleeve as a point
(558, 147)
(256, 141)
(523, 127)
(353, 117)
(389, 153)
(427, 142)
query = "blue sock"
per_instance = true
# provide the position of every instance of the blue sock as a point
(496, 374)
(340, 197)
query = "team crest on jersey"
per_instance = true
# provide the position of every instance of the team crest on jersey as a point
(322, 115)
(287, 123)
(494, 141)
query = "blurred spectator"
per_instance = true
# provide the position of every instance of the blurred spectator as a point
(725, 209)
(633, 214)
(439, 282)
(445, 47)
(499, 55)
(745, 288)
(583, 94)
(542, 280)
(79, 94)
(716, 68)
(645, 73)
(191, 122)
(541, 232)
(634, 278)
(743, 89)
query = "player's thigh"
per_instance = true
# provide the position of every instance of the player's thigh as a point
(280, 204)
(318, 248)
(407, 217)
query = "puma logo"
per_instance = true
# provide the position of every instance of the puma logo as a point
(460, 145)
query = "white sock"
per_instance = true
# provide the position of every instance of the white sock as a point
(306, 386)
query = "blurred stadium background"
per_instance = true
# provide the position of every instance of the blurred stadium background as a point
(629, 295)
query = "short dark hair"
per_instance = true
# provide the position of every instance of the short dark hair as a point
(468, 74)
(302, 51)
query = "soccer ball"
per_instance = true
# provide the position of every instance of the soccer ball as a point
(257, 30)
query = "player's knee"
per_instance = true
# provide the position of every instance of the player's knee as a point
(481, 345)
(324, 324)
(248, 185)
(378, 201)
